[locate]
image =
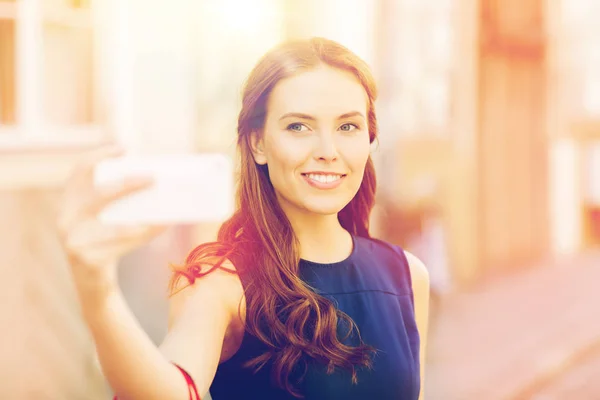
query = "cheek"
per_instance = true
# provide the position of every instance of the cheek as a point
(358, 153)
(284, 155)
(283, 146)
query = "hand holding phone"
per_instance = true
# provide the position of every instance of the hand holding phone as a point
(92, 247)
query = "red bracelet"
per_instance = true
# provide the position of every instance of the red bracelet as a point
(192, 390)
(191, 385)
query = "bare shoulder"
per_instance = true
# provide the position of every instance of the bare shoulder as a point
(419, 274)
(221, 289)
(204, 322)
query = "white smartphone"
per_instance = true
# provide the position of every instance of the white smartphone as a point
(187, 189)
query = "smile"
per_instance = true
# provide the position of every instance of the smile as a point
(323, 180)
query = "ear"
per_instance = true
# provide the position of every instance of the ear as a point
(257, 147)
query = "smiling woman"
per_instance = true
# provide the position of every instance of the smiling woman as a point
(294, 299)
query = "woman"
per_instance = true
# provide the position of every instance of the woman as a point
(294, 299)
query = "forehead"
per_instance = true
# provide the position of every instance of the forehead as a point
(323, 91)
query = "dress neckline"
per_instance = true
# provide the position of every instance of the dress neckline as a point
(336, 263)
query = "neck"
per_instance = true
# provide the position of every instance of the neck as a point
(322, 238)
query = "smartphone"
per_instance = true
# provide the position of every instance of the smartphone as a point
(187, 189)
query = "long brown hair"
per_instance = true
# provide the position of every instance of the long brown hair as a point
(282, 311)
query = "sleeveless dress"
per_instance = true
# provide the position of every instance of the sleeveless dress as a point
(373, 286)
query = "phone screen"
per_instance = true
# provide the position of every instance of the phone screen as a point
(187, 189)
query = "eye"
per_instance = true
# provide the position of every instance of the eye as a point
(348, 127)
(296, 127)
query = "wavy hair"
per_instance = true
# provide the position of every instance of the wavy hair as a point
(294, 322)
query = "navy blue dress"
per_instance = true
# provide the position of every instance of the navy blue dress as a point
(373, 286)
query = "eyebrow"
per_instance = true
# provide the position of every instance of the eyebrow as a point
(311, 118)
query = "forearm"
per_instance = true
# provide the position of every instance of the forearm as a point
(132, 364)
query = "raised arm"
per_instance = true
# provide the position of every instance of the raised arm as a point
(134, 366)
(136, 369)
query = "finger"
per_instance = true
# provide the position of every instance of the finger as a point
(109, 193)
(84, 171)
(84, 209)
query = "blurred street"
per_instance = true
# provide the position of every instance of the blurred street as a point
(578, 381)
(531, 334)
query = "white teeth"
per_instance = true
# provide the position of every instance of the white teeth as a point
(324, 178)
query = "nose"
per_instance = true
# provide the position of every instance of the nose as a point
(326, 149)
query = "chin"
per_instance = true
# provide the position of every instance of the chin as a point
(324, 207)
(307, 203)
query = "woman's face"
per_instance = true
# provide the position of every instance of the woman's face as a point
(315, 141)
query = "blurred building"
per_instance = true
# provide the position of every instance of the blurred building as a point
(489, 124)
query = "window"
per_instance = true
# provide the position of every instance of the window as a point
(46, 74)
(580, 56)
(7, 63)
(575, 98)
